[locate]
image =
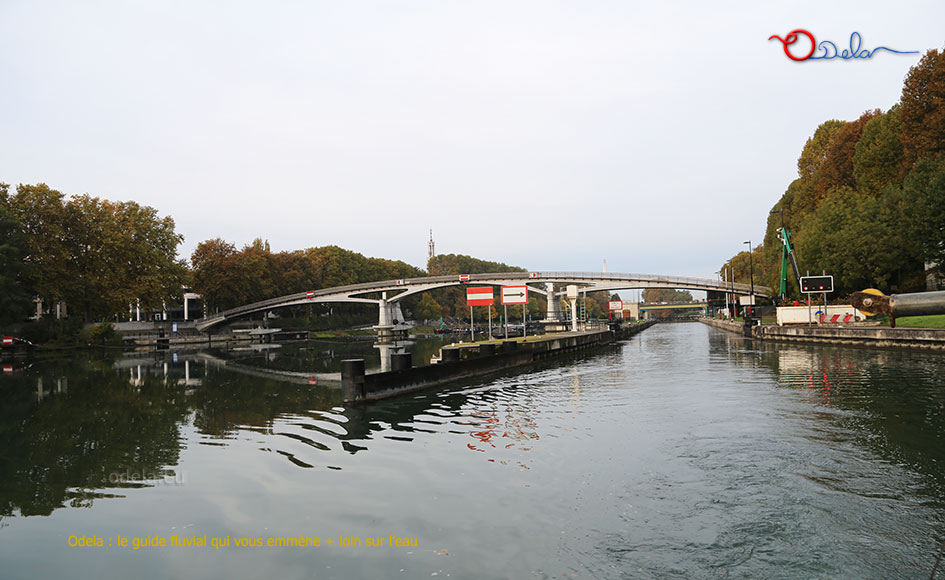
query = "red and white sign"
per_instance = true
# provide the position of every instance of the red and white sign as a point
(8, 369)
(615, 305)
(479, 296)
(534, 274)
(310, 295)
(464, 278)
(515, 294)
(7, 341)
(312, 381)
(399, 282)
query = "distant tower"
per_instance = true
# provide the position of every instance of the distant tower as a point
(605, 266)
(430, 251)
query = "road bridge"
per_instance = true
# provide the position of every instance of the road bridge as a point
(682, 306)
(388, 294)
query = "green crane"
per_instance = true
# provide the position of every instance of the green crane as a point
(787, 252)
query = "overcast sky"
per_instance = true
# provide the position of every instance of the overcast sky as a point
(546, 134)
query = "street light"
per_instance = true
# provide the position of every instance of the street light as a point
(781, 234)
(721, 288)
(751, 277)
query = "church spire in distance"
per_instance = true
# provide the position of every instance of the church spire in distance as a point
(430, 251)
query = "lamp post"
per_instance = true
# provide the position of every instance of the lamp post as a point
(783, 255)
(751, 278)
(719, 279)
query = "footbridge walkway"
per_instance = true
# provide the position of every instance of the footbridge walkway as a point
(388, 294)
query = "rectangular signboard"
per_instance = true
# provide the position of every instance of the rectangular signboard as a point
(515, 294)
(464, 278)
(816, 284)
(7, 341)
(310, 294)
(746, 300)
(481, 296)
(615, 305)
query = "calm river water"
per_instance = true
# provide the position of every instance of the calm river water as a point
(685, 452)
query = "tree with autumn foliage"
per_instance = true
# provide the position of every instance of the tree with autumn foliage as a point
(227, 277)
(923, 110)
(97, 256)
(868, 205)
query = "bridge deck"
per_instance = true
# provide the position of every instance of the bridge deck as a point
(589, 281)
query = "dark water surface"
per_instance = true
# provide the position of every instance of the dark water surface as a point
(683, 453)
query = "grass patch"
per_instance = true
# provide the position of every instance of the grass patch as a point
(340, 333)
(937, 321)
(422, 330)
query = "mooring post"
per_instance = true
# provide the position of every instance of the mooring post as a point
(352, 380)
(400, 361)
(449, 354)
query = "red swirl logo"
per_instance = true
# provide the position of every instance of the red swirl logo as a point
(792, 38)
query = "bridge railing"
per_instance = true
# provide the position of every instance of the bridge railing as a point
(536, 277)
(656, 278)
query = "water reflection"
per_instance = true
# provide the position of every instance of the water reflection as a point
(72, 427)
(684, 453)
(889, 401)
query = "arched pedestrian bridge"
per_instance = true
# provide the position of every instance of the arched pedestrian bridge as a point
(550, 284)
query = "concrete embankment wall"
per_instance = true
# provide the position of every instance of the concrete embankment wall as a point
(925, 338)
(729, 325)
(460, 362)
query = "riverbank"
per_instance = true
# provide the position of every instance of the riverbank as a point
(880, 336)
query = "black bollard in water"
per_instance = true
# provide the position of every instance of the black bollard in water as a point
(400, 361)
(449, 355)
(352, 380)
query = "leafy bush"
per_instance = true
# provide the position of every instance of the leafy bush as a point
(105, 334)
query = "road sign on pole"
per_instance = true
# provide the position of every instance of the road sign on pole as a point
(615, 305)
(816, 284)
(481, 296)
(515, 294)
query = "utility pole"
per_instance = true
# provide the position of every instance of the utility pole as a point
(751, 277)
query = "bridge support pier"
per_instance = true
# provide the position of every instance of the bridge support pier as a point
(553, 310)
(554, 316)
(389, 317)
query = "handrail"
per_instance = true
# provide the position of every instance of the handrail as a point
(385, 285)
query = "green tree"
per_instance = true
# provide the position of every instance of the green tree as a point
(923, 199)
(14, 296)
(216, 274)
(40, 211)
(97, 255)
(657, 295)
(878, 159)
(427, 308)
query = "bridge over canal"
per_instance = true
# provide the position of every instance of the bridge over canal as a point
(550, 284)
